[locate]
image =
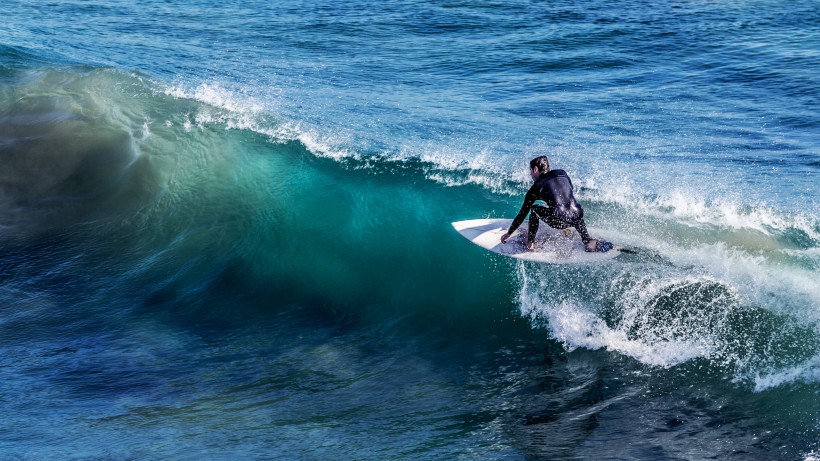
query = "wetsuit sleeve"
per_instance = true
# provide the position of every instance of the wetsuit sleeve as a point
(529, 200)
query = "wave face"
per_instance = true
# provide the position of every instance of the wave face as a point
(228, 227)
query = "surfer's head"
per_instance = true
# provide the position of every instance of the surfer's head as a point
(538, 166)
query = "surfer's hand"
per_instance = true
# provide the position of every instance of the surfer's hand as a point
(505, 237)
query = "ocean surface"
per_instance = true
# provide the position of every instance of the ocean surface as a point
(225, 230)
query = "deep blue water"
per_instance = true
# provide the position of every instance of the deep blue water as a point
(225, 230)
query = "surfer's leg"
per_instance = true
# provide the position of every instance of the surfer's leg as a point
(532, 228)
(581, 227)
(539, 212)
(590, 244)
(546, 214)
(542, 213)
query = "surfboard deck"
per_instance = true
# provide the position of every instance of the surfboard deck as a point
(551, 245)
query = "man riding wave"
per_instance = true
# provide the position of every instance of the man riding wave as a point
(562, 211)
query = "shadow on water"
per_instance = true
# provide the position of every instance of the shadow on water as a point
(68, 156)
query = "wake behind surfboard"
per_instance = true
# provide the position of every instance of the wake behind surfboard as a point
(551, 245)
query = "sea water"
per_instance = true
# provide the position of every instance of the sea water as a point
(225, 230)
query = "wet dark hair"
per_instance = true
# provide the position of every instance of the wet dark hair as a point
(542, 163)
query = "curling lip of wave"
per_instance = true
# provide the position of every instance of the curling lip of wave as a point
(238, 111)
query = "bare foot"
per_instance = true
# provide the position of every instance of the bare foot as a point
(591, 246)
(567, 232)
(531, 246)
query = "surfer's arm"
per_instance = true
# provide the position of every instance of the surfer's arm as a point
(529, 201)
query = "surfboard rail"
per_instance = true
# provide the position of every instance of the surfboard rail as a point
(552, 246)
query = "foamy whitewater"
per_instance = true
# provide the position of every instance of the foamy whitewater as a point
(226, 230)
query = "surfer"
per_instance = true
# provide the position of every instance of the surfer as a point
(562, 211)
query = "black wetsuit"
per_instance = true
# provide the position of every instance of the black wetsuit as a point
(562, 211)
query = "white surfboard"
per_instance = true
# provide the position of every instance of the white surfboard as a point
(551, 245)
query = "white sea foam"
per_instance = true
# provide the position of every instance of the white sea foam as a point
(146, 131)
(577, 324)
(497, 185)
(217, 96)
(807, 372)
(782, 288)
(690, 207)
(242, 112)
(664, 315)
(576, 327)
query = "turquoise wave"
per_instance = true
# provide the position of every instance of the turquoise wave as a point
(186, 199)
